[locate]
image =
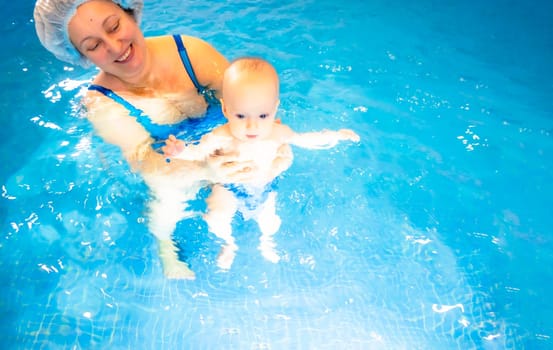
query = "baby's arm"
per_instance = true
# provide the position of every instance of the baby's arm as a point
(322, 139)
(282, 161)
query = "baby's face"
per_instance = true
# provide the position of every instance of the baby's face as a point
(250, 104)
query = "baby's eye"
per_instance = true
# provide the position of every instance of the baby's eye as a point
(240, 116)
(263, 116)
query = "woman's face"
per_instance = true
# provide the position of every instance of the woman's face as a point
(109, 38)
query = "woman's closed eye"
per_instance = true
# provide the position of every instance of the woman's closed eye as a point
(113, 28)
(111, 24)
(92, 45)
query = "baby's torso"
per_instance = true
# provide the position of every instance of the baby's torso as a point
(262, 153)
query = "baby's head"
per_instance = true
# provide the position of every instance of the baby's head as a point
(250, 97)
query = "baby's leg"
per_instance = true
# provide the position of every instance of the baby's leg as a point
(221, 207)
(269, 223)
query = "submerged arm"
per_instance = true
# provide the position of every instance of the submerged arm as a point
(109, 118)
(322, 139)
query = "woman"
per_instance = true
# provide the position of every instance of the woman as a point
(146, 90)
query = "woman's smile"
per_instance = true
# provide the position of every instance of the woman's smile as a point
(126, 56)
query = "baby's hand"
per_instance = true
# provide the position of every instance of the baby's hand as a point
(347, 134)
(173, 146)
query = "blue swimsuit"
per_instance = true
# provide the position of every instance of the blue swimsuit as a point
(250, 198)
(190, 129)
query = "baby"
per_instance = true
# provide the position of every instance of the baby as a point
(250, 99)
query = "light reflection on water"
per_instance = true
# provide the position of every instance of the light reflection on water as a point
(421, 237)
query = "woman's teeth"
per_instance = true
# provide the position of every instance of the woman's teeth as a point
(125, 55)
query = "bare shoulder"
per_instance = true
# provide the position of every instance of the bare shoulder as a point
(282, 133)
(163, 40)
(160, 45)
(195, 42)
(218, 139)
(96, 103)
(163, 50)
(221, 131)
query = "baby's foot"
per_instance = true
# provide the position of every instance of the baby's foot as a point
(269, 224)
(268, 251)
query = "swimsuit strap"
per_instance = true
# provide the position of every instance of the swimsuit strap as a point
(135, 112)
(140, 116)
(208, 94)
(186, 62)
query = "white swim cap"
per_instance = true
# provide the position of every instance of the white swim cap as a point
(52, 17)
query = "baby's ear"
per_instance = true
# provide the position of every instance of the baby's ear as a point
(277, 120)
(223, 107)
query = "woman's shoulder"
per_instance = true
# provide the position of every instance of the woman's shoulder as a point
(198, 50)
(170, 39)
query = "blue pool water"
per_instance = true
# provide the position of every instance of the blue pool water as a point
(433, 233)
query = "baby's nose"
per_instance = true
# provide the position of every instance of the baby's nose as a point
(251, 124)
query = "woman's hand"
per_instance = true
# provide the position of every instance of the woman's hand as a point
(226, 168)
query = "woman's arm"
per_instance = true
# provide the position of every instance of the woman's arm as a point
(109, 119)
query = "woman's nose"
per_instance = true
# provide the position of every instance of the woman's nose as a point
(113, 44)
